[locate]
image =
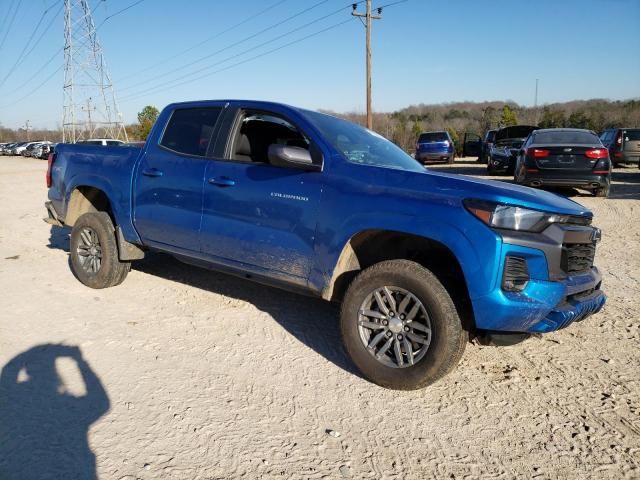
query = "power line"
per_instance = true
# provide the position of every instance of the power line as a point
(45, 30)
(209, 67)
(213, 37)
(55, 54)
(21, 55)
(390, 4)
(271, 27)
(10, 24)
(250, 58)
(4, 18)
(46, 80)
(118, 12)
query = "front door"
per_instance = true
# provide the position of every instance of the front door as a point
(255, 213)
(169, 180)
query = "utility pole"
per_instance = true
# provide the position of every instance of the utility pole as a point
(27, 127)
(367, 24)
(89, 104)
(535, 103)
(88, 110)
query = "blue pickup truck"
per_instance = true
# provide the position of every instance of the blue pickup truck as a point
(421, 261)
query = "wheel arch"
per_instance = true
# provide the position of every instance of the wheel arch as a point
(87, 199)
(372, 246)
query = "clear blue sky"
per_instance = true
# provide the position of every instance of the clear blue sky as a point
(425, 51)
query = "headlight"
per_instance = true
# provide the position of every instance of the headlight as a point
(510, 217)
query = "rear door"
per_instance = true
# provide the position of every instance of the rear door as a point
(255, 213)
(169, 180)
(472, 145)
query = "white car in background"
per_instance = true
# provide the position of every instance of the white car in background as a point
(22, 147)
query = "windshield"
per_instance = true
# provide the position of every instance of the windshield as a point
(431, 137)
(362, 146)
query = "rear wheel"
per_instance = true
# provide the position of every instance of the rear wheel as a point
(400, 326)
(94, 252)
(603, 191)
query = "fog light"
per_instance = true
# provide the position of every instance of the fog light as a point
(516, 274)
(495, 162)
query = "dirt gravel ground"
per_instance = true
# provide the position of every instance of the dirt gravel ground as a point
(181, 373)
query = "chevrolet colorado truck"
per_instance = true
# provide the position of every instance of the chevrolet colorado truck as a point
(420, 261)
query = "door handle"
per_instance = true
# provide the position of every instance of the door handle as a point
(222, 182)
(152, 172)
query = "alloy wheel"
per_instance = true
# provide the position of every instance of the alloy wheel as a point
(394, 327)
(89, 250)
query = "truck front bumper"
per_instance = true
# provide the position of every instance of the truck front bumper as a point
(543, 306)
(552, 297)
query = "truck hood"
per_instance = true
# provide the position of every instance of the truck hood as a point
(463, 187)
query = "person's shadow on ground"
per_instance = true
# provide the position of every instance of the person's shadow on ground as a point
(43, 428)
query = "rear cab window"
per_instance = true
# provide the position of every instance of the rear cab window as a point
(189, 130)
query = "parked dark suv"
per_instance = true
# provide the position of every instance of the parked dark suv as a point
(623, 145)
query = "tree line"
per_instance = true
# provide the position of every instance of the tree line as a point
(404, 126)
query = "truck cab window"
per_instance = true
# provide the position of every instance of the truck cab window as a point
(189, 130)
(257, 131)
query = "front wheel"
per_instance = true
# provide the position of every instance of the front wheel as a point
(400, 326)
(94, 252)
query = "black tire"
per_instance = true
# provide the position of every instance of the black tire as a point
(603, 191)
(111, 271)
(448, 338)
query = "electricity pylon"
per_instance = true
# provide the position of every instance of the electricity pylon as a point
(90, 107)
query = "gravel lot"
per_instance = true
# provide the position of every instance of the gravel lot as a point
(192, 374)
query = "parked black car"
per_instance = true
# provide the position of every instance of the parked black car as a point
(623, 145)
(567, 157)
(504, 150)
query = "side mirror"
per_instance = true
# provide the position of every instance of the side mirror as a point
(291, 157)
